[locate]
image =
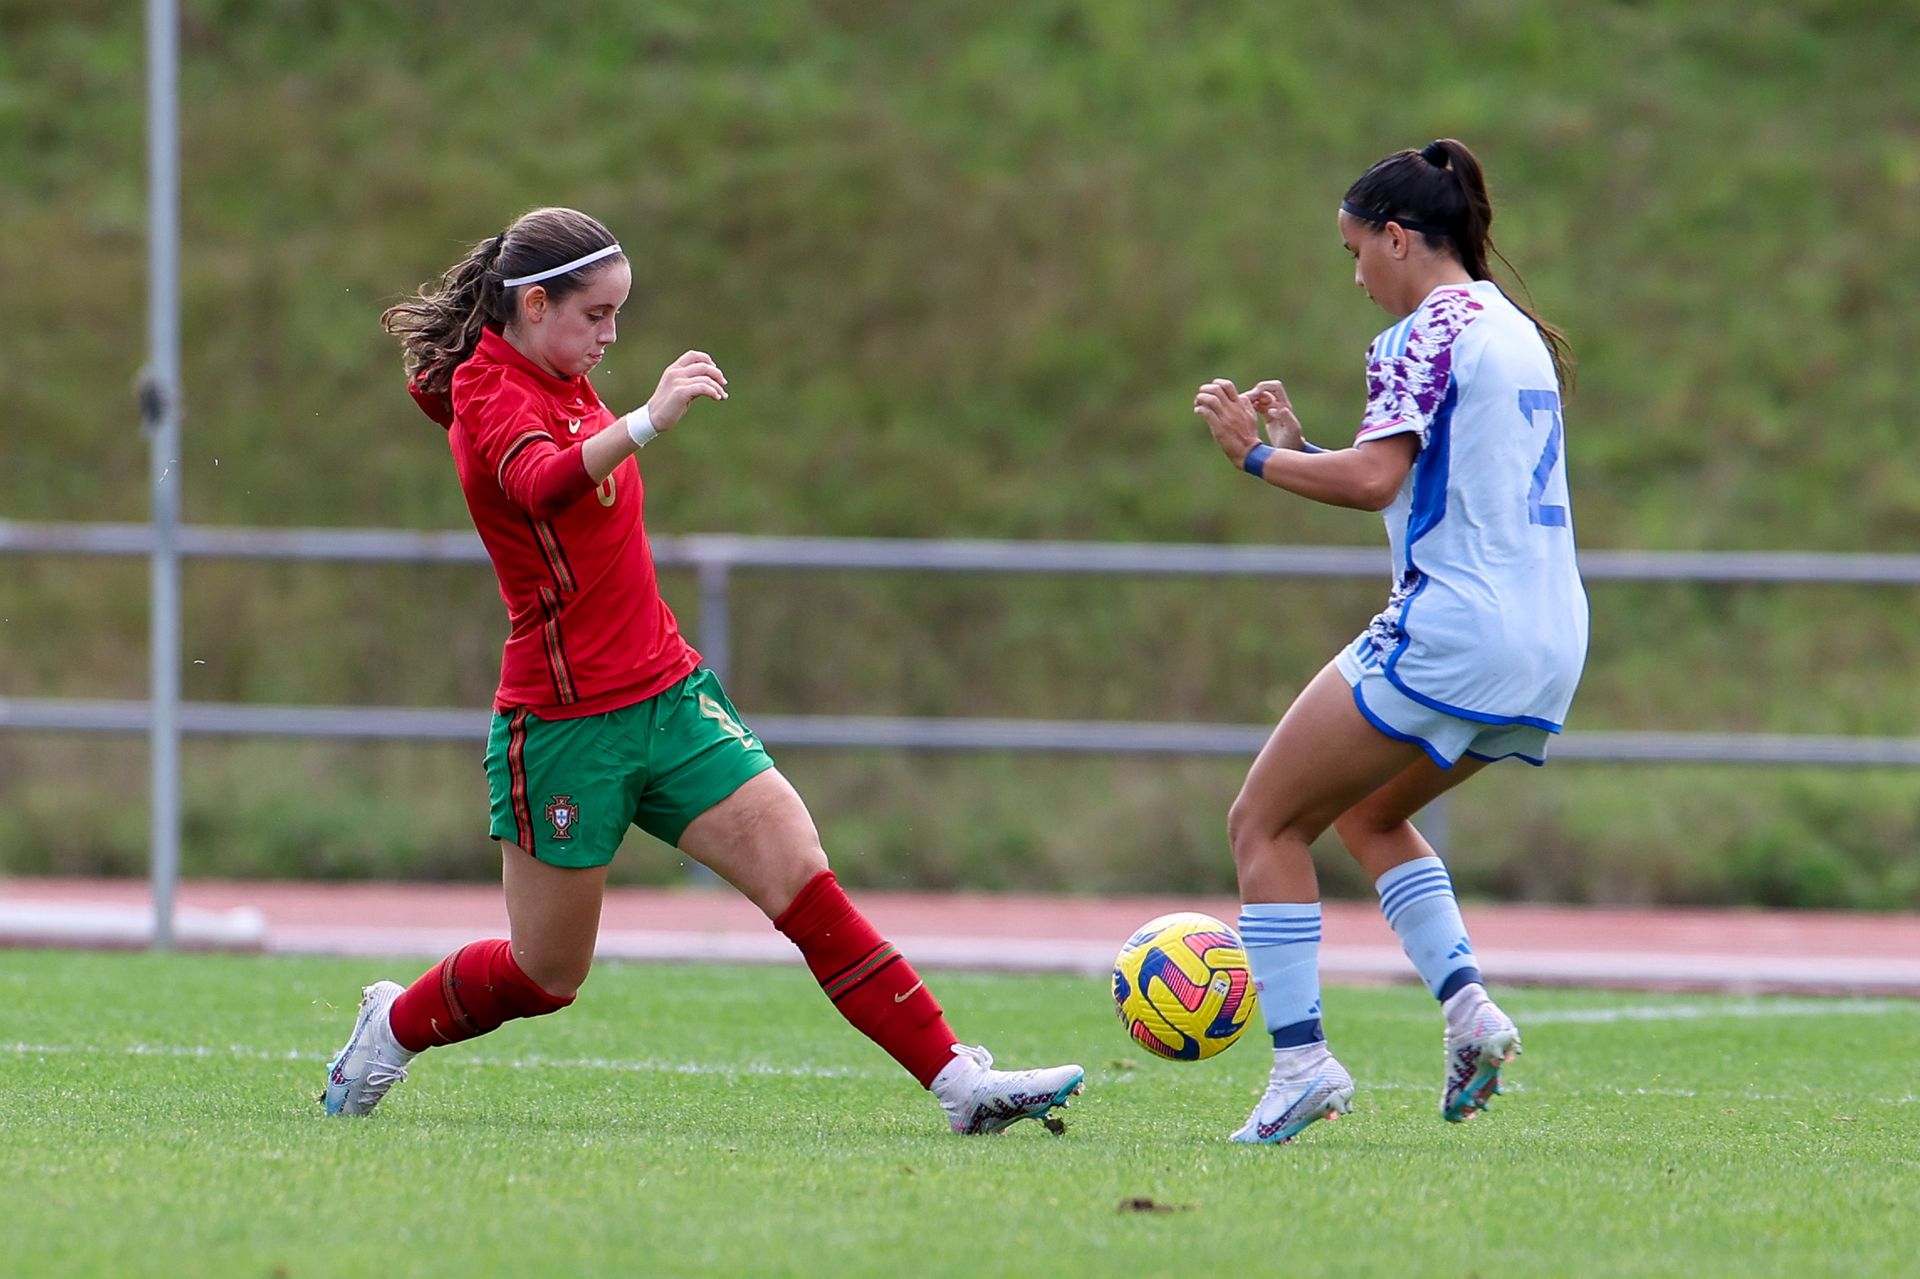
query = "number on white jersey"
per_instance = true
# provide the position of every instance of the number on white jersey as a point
(1542, 411)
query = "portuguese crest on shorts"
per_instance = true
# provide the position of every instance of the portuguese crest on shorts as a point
(562, 813)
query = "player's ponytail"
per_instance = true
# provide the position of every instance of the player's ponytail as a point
(1440, 192)
(440, 325)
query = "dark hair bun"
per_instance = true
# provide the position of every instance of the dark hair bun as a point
(1436, 154)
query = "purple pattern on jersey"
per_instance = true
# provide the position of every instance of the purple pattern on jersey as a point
(1385, 632)
(1408, 384)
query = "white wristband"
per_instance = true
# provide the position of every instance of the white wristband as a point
(640, 427)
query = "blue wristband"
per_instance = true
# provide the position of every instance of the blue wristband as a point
(1308, 447)
(1255, 462)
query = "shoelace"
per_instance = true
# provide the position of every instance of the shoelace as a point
(960, 1104)
(980, 1057)
(381, 1076)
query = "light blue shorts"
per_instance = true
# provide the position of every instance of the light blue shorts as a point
(1445, 738)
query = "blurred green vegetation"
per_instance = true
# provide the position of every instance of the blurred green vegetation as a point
(964, 265)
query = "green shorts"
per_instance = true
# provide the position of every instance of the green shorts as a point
(567, 789)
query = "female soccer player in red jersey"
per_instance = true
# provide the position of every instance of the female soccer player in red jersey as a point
(604, 717)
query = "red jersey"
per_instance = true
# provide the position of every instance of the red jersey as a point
(590, 631)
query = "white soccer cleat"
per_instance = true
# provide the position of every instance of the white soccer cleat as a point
(1480, 1040)
(980, 1099)
(372, 1061)
(1298, 1095)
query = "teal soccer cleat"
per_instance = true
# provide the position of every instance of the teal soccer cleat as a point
(1480, 1040)
(979, 1099)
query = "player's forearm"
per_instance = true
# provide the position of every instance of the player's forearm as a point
(606, 449)
(616, 443)
(1337, 477)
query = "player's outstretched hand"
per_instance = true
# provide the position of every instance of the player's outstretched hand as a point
(1269, 400)
(1235, 426)
(692, 375)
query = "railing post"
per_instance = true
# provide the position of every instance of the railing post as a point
(160, 411)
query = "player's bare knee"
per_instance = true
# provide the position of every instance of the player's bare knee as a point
(568, 986)
(1239, 833)
(1251, 833)
(798, 867)
(558, 975)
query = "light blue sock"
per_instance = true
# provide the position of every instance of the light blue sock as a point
(1282, 940)
(1417, 899)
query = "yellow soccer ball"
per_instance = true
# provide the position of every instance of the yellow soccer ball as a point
(1182, 987)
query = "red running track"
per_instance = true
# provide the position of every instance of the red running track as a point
(1737, 950)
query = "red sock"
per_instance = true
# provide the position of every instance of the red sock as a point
(870, 982)
(468, 993)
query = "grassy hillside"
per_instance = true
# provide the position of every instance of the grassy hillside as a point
(964, 265)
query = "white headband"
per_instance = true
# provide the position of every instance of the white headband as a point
(562, 269)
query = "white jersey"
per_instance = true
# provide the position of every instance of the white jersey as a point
(1487, 619)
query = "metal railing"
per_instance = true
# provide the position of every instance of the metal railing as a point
(715, 557)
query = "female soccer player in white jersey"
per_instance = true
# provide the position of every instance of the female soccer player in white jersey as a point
(1475, 657)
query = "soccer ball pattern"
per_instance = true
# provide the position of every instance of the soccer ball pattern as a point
(1182, 988)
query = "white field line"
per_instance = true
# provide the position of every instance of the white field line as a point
(642, 1065)
(636, 1065)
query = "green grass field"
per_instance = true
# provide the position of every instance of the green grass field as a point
(157, 1117)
